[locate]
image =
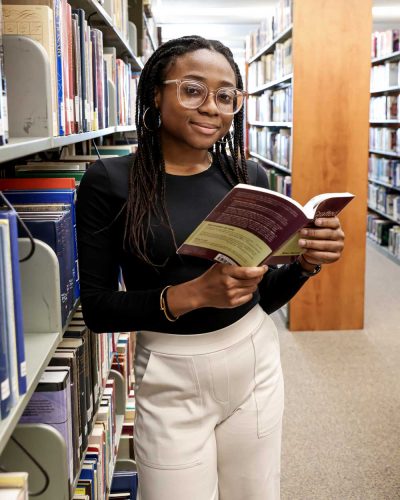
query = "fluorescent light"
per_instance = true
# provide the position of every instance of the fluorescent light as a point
(386, 13)
(189, 14)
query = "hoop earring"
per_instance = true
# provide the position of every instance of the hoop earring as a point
(144, 120)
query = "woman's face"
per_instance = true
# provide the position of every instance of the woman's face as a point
(197, 128)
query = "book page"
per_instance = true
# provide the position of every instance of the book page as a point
(241, 246)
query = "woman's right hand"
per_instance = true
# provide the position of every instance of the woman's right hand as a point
(221, 286)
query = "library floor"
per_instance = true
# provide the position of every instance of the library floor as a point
(341, 436)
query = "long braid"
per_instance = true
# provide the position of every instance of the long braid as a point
(147, 179)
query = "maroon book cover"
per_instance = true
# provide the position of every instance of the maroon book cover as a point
(252, 226)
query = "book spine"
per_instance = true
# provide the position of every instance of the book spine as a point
(71, 70)
(5, 386)
(60, 75)
(10, 312)
(78, 82)
(4, 135)
(18, 313)
(82, 66)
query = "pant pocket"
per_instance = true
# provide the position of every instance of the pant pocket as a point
(268, 379)
(168, 425)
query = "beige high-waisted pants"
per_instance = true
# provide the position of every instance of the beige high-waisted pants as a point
(209, 413)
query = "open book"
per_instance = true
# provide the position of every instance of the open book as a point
(251, 226)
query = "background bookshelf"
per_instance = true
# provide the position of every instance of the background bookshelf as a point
(383, 221)
(43, 329)
(325, 143)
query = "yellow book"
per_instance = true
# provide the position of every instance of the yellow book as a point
(35, 22)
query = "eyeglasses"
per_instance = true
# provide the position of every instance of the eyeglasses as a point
(192, 94)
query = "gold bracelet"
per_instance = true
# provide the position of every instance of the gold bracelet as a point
(164, 305)
(305, 260)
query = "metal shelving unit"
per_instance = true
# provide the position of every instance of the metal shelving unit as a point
(274, 83)
(384, 184)
(271, 163)
(385, 153)
(271, 46)
(23, 147)
(111, 34)
(386, 90)
(42, 322)
(394, 56)
(381, 212)
(270, 124)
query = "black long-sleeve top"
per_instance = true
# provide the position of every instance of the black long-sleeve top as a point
(102, 254)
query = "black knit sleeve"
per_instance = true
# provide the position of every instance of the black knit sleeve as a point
(279, 284)
(105, 308)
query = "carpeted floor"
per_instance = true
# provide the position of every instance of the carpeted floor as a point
(341, 436)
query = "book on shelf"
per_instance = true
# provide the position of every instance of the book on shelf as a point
(51, 404)
(385, 75)
(252, 226)
(11, 216)
(82, 333)
(58, 361)
(55, 229)
(270, 27)
(14, 486)
(75, 347)
(46, 191)
(384, 170)
(4, 133)
(8, 372)
(39, 28)
(124, 483)
(384, 43)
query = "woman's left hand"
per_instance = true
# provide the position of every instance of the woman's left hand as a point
(323, 243)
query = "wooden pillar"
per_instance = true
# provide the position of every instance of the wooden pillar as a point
(331, 53)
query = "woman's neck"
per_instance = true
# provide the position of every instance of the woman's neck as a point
(185, 160)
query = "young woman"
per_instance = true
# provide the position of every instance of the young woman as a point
(209, 388)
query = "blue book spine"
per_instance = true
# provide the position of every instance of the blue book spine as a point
(5, 387)
(89, 474)
(59, 66)
(52, 196)
(7, 290)
(19, 324)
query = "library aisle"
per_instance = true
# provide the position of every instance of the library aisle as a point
(341, 421)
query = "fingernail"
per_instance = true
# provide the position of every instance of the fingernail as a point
(265, 267)
(304, 232)
(302, 243)
(318, 222)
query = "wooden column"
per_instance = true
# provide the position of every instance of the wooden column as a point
(331, 52)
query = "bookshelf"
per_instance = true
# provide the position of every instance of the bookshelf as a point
(270, 162)
(19, 147)
(40, 274)
(42, 321)
(112, 35)
(384, 159)
(328, 145)
(270, 85)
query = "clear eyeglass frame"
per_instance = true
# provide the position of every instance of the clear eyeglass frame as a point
(179, 83)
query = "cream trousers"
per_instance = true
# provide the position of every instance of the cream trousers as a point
(209, 413)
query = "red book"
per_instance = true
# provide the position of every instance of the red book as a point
(37, 183)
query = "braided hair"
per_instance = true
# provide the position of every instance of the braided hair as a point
(147, 180)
